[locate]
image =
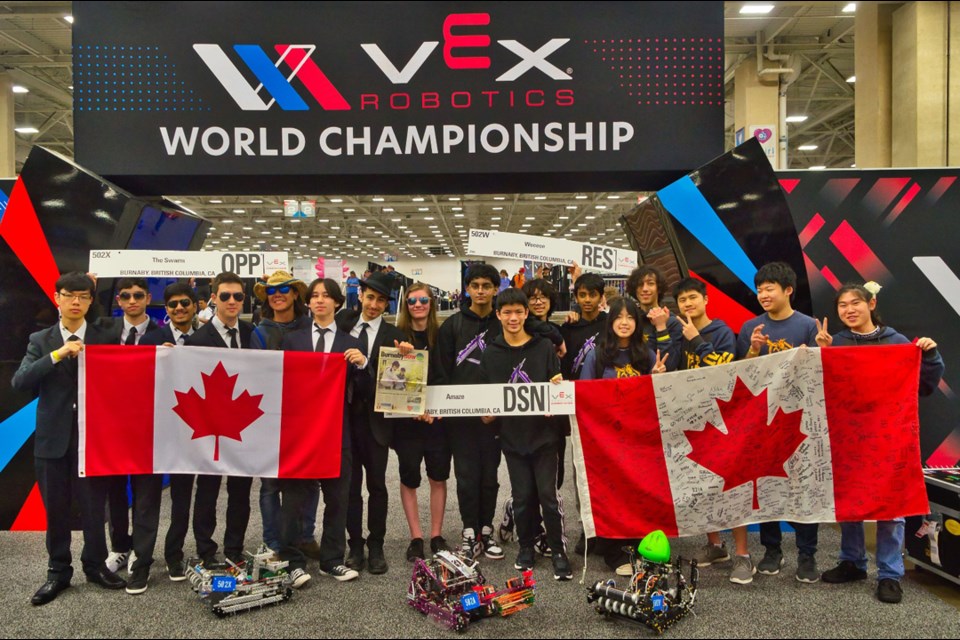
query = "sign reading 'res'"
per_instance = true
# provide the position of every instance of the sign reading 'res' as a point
(288, 91)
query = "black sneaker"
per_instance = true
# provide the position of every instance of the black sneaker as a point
(490, 547)
(525, 559)
(771, 563)
(137, 583)
(561, 566)
(846, 571)
(176, 571)
(415, 550)
(377, 563)
(340, 573)
(807, 569)
(356, 558)
(437, 544)
(889, 590)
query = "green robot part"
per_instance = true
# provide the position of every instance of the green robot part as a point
(655, 547)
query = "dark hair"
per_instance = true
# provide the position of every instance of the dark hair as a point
(179, 289)
(638, 351)
(299, 308)
(546, 289)
(76, 281)
(405, 323)
(864, 294)
(689, 284)
(483, 271)
(512, 296)
(127, 283)
(332, 287)
(503, 273)
(227, 277)
(638, 275)
(590, 282)
(778, 273)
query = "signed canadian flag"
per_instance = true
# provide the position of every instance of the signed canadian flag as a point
(807, 435)
(211, 411)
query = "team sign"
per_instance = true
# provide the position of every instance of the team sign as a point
(112, 263)
(502, 399)
(520, 246)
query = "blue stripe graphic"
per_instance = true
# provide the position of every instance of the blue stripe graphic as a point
(16, 430)
(688, 206)
(272, 79)
(4, 199)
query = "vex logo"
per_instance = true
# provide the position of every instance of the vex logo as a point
(296, 57)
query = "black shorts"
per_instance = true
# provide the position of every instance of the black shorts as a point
(416, 442)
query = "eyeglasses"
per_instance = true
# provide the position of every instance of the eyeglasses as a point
(421, 300)
(284, 289)
(481, 287)
(82, 297)
(136, 295)
(238, 296)
(539, 299)
(183, 302)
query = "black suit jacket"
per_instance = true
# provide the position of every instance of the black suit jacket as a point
(208, 336)
(56, 386)
(302, 340)
(382, 428)
(114, 327)
(162, 335)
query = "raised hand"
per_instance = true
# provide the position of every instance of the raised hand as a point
(658, 317)
(824, 339)
(70, 349)
(355, 357)
(405, 348)
(661, 365)
(926, 344)
(689, 331)
(757, 340)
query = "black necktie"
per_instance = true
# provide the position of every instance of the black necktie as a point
(72, 364)
(233, 338)
(182, 339)
(364, 341)
(131, 336)
(321, 343)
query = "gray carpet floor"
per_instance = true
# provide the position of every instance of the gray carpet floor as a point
(375, 606)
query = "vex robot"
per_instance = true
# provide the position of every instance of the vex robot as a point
(658, 594)
(452, 591)
(258, 581)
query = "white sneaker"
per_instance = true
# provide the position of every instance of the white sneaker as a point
(116, 560)
(299, 578)
(625, 570)
(470, 547)
(490, 548)
(131, 560)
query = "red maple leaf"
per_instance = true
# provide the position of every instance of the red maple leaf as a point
(751, 449)
(219, 414)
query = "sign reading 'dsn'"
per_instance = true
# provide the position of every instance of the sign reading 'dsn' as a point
(288, 90)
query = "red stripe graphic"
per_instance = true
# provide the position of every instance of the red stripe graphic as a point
(940, 188)
(22, 231)
(837, 190)
(831, 278)
(314, 79)
(33, 515)
(948, 453)
(883, 193)
(119, 421)
(903, 204)
(813, 228)
(723, 307)
(858, 253)
(789, 184)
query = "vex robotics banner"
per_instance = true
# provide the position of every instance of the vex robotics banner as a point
(283, 92)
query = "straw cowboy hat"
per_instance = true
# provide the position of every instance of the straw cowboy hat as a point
(279, 279)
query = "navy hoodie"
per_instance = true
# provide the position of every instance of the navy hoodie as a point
(931, 364)
(715, 345)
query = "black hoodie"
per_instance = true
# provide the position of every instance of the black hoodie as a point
(581, 337)
(534, 361)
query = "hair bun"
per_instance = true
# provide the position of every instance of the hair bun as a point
(873, 288)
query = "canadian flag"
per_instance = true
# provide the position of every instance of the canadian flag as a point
(806, 435)
(268, 414)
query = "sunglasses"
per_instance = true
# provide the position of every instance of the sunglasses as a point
(183, 302)
(284, 289)
(421, 300)
(136, 295)
(238, 296)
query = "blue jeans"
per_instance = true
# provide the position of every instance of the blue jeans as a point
(353, 300)
(771, 536)
(889, 546)
(271, 514)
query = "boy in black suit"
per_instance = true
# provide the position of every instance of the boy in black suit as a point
(225, 330)
(372, 433)
(324, 298)
(49, 369)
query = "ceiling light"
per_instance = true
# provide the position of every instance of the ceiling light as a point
(453, 198)
(756, 9)
(276, 210)
(807, 147)
(852, 79)
(589, 217)
(797, 118)
(260, 221)
(818, 167)
(850, 7)
(388, 210)
(19, 89)
(216, 202)
(418, 199)
(349, 210)
(239, 211)
(539, 197)
(499, 198)
(601, 207)
(26, 130)
(248, 228)
(68, 18)
(256, 202)
(227, 221)
(613, 197)
(581, 197)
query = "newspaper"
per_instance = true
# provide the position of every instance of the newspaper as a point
(401, 382)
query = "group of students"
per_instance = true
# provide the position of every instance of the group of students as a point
(497, 337)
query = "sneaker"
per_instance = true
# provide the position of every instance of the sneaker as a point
(137, 583)
(710, 553)
(889, 590)
(377, 562)
(807, 569)
(469, 547)
(356, 559)
(298, 578)
(542, 546)
(310, 549)
(505, 531)
(490, 548)
(743, 570)
(116, 560)
(525, 559)
(176, 572)
(340, 573)
(561, 566)
(131, 560)
(625, 570)
(771, 563)
(846, 571)
(437, 544)
(415, 550)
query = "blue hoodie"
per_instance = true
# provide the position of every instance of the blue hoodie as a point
(931, 364)
(715, 345)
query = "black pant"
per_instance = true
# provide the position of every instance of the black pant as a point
(118, 511)
(533, 479)
(205, 515)
(370, 456)
(476, 458)
(146, 517)
(181, 494)
(333, 539)
(59, 482)
(771, 536)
